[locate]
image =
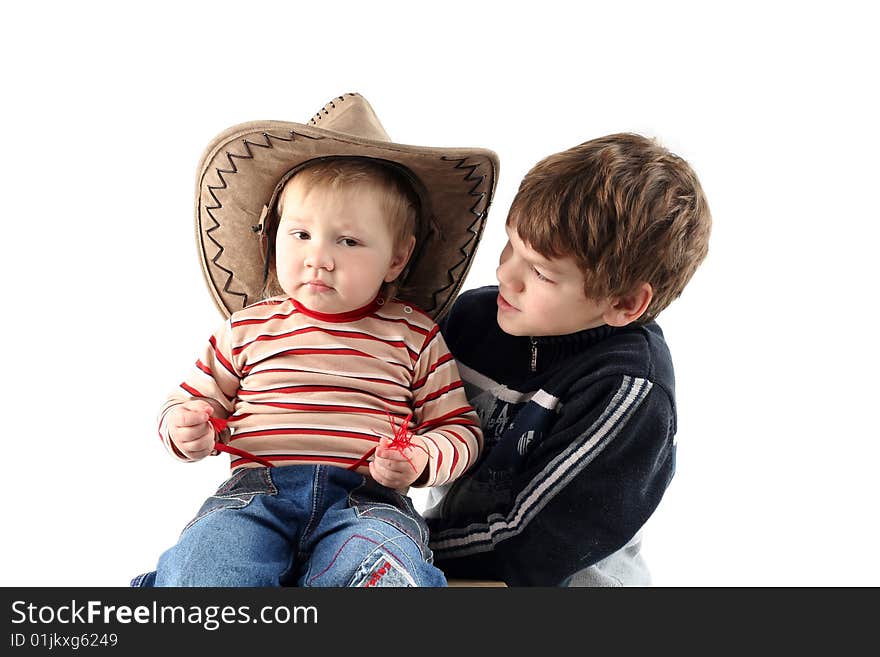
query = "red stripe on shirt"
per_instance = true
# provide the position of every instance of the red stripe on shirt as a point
(356, 335)
(428, 340)
(263, 320)
(455, 385)
(439, 457)
(327, 408)
(301, 390)
(307, 431)
(452, 417)
(413, 327)
(371, 379)
(222, 358)
(192, 391)
(466, 447)
(309, 458)
(312, 351)
(440, 361)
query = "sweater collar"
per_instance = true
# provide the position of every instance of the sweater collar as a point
(550, 350)
(338, 318)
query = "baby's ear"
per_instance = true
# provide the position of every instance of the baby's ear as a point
(628, 308)
(401, 257)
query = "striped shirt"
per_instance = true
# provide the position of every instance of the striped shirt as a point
(306, 388)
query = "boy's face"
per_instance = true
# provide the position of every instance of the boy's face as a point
(334, 248)
(540, 296)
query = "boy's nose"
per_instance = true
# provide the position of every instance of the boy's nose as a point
(508, 277)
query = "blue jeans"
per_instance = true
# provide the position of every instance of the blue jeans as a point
(300, 526)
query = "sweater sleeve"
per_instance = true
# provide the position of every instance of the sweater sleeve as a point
(213, 377)
(582, 494)
(444, 418)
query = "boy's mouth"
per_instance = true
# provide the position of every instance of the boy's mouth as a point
(504, 304)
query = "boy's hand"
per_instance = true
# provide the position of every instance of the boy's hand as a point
(391, 468)
(190, 430)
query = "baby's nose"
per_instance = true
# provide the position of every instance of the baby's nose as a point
(319, 257)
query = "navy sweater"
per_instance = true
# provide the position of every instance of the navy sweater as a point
(579, 450)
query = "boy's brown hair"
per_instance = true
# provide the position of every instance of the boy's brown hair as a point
(625, 208)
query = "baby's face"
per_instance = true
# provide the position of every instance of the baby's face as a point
(334, 248)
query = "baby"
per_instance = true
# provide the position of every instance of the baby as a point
(337, 396)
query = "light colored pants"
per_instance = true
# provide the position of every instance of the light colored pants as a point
(626, 567)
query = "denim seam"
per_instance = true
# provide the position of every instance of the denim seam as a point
(317, 498)
(243, 498)
(230, 483)
(362, 511)
(215, 509)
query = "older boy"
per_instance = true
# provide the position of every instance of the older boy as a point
(569, 372)
(315, 379)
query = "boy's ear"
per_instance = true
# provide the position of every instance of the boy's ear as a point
(629, 307)
(401, 257)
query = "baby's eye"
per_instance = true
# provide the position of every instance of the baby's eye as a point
(348, 241)
(299, 234)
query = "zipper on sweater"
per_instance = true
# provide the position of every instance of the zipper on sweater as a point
(534, 365)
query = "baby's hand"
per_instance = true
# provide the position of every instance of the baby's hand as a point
(190, 430)
(398, 470)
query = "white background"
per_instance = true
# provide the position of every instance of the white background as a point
(106, 111)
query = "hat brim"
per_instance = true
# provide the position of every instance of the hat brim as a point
(242, 166)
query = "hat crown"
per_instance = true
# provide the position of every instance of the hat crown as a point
(350, 114)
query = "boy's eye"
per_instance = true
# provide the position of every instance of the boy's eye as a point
(299, 234)
(348, 241)
(541, 276)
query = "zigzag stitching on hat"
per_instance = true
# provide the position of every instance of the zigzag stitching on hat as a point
(249, 155)
(479, 220)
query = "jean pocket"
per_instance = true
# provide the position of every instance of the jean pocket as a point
(372, 500)
(237, 492)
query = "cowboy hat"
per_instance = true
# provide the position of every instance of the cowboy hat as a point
(244, 168)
